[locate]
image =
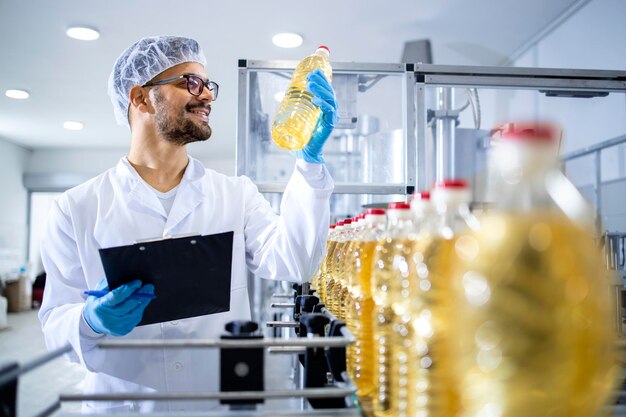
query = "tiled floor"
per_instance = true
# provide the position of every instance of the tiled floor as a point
(22, 342)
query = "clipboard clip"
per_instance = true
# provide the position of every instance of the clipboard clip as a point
(166, 237)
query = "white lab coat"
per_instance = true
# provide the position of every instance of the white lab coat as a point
(117, 208)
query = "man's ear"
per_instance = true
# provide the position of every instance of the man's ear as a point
(140, 100)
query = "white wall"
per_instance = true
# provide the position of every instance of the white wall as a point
(91, 162)
(13, 210)
(592, 38)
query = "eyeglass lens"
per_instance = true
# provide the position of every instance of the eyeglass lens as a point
(196, 85)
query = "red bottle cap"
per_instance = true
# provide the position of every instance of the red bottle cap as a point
(375, 211)
(325, 47)
(347, 221)
(528, 131)
(421, 195)
(340, 223)
(332, 226)
(452, 184)
(399, 206)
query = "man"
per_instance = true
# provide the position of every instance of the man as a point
(160, 89)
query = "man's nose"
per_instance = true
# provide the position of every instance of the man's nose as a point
(207, 95)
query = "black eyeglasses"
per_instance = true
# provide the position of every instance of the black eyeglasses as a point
(195, 84)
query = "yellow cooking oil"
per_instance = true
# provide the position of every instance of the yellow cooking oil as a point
(343, 272)
(533, 334)
(324, 269)
(402, 331)
(391, 256)
(352, 282)
(327, 277)
(359, 317)
(330, 278)
(297, 116)
(337, 266)
(425, 380)
(349, 303)
(359, 308)
(363, 363)
(316, 281)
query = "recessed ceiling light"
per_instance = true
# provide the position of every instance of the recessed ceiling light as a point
(73, 125)
(279, 96)
(17, 94)
(82, 33)
(287, 40)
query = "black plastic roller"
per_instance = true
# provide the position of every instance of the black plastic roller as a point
(314, 323)
(241, 327)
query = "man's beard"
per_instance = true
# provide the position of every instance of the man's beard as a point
(175, 127)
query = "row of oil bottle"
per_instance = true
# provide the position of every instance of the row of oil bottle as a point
(506, 314)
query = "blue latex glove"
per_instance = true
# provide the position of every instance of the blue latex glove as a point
(115, 313)
(324, 98)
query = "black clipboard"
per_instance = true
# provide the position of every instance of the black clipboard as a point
(191, 275)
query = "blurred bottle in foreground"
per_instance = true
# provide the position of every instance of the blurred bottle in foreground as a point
(429, 388)
(533, 324)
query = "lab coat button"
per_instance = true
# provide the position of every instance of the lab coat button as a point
(178, 366)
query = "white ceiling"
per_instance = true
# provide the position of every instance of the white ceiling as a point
(67, 78)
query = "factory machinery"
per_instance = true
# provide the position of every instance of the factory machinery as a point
(376, 155)
(315, 339)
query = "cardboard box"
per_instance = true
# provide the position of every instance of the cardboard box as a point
(18, 294)
(3, 312)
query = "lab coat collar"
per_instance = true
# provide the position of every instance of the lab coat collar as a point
(195, 170)
(188, 196)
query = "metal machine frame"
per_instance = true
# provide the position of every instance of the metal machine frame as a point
(417, 78)
(552, 81)
(408, 119)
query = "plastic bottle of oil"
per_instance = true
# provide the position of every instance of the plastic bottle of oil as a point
(430, 388)
(360, 307)
(330, 266)
(391, 254)
(341, 265)
(297, 116)
(351, 280)
(348, 267)
(336, 265)
(536, 336)
(319, 280)
(424, 229)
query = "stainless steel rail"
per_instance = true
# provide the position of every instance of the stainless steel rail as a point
(282, 324)
(231, 395)
(596, 150)
(21, 369)
(315, 341)
(287, 350)
(269, 412)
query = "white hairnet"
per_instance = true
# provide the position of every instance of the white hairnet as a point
(144, 60)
